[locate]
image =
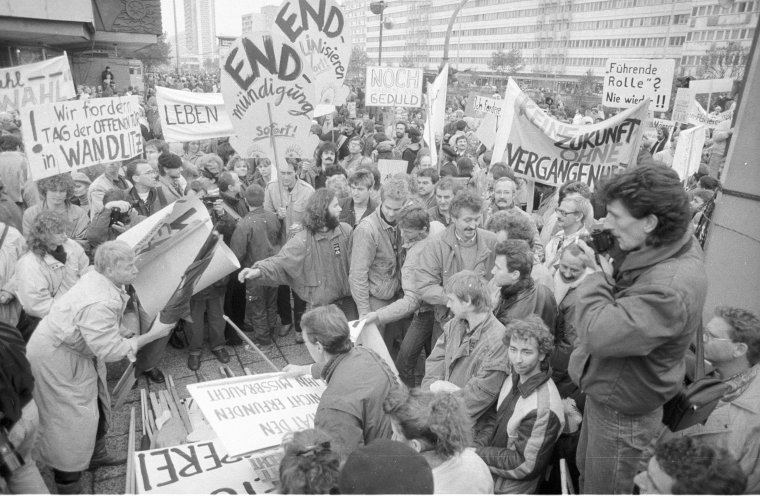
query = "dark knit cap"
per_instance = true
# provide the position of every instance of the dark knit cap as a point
(386, 467)
(169, 161)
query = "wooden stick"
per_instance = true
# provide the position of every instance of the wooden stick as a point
(228, 371)
(180, 407)
(247, 371)
(247, 340)
(565, 483)
(130, 482)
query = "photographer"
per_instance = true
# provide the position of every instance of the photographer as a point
(19, 418)
(634, 327)
(116, 217)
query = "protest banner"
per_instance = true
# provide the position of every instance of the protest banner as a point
(541, 148)
(389, 168)
(436, 115)
(393, 87)
(251, 413)
(43, 82)
(270, 97)
(318, 29)
(627, 82)
(66, 136)
(166, 243)
(205, 468)
(664, 124)
(700, 117)
(683, 103)
(188, 116)
(688, 152)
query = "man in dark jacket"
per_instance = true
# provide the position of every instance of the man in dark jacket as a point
(635, 326)
(146, 196)
(359, 205)
(519, 296)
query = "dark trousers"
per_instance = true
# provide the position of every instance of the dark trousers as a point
(260, 309)
(418, 337)
(207, 314)
(284, 308)
(149, 355)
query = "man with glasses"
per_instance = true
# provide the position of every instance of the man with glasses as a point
(146, 196)
(732, 346)
(571, 215)
(635, 325)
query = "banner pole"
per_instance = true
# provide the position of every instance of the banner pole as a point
(276, 158)
(247, 340)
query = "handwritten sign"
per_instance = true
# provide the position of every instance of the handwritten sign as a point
(627, 82)
(269, 93)
(318, 29)
(688, 152)
(66, 136)
(48, 81)
(205, 468)
(188, 116)
(480, 106)
(698, 116)
(254, 412)
(683, 103)
(664, 124)
(540, 148)
(393, 87)
(389, 168)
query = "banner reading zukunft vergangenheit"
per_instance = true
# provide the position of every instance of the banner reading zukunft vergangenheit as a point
(540, 148)
(269, 94)
(34, 84)
(66, 136)
(319, 30)
(251, 413)
(188, 116)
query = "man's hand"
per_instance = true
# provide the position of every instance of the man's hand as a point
(248, 273)
(282, 212)
(118, 227)
(371, 318)
(589, 257)
(291, 370)
(122, 205)
(6, 297)
(444, 387)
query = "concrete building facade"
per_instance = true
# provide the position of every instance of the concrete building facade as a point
(200, 29)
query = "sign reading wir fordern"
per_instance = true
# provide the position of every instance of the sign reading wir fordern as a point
(393, 87)
(627, 82)
(250, 413)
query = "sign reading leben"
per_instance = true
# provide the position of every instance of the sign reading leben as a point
(205, 468)
(34, 84)
(254, 412)
(188, 116)
(627, 82)
(393, 87)
(66, 136)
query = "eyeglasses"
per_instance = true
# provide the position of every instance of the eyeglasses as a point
(706, 336)
(563, 213)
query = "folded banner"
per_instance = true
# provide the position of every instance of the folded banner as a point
(542, 149)
(188, 116)
(698, 116)
(34, 84)
(66, 136)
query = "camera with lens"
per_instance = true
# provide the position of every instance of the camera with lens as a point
(209, 200)
(600, 240)
(118, 216)
(10, 459)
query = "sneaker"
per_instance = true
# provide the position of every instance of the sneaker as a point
(221, 355)
(194, 361)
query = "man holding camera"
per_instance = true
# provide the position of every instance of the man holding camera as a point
(635, 321)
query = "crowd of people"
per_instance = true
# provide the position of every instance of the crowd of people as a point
(519, 338)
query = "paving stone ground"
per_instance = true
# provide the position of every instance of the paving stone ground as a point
(111, 480)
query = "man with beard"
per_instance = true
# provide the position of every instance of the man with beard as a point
(325, 156)
(287, 198)
(315, 261)
(504, 196)
(445, 191)
(402, 140)
(462, 246)
(519, 295)
(375, 275)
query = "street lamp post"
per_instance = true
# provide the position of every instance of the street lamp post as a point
(378, 8)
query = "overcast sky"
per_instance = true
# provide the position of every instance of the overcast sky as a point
(228, 14)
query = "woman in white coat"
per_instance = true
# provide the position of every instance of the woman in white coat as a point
(68, 352)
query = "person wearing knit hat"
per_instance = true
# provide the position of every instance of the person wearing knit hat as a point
(386, 467)
(81, 183)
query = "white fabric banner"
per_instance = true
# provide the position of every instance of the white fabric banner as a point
(688, 153)
(436, 115)
(188, 116)
(48, 81)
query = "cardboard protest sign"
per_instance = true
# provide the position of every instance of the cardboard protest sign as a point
(269, 95)
(724, 85)
(436, 116)
(251, 413)
(627, 82)
(664, 124)
(205, 468)
(540, 148)
(66, 136)
(688, 152)
(389, 168)
(166, 243)
(368, 336)
(319, 30)
(188, 116)
(43, 82)
(683, 103)
(480, 106)
(698, 116)
(393, 87)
